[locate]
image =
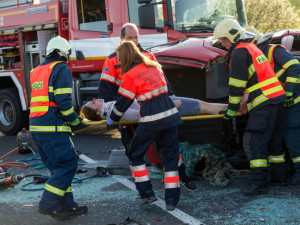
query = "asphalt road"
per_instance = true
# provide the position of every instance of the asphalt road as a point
(112, 199)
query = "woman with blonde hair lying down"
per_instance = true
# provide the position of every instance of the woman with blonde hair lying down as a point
(97, 109)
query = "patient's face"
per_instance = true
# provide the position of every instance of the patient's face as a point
(95, 104)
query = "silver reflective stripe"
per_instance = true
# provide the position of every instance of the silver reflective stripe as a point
(141, 179)
(151, 94)
(159, 116)
(119, 81)
(108, 77)
(171, 174)
(117, 112)
(172, 185)
(138, 168)
(126, 93)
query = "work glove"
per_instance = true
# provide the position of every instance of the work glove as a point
(228, 113)
(289, 101)
(109, 121)
(76, 124)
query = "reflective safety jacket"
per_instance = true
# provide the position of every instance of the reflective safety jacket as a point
(286, 67)
(149, 87)
(250, 72)
(51, 101)
(111, 78)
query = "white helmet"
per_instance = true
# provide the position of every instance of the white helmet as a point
(229, 28)
(60, 44)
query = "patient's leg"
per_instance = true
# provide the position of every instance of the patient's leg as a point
(211, 108)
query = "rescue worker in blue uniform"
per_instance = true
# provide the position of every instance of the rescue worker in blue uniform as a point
(51, 115)
(110, 82)
(144, 80)
(250, 72)
(287, 69)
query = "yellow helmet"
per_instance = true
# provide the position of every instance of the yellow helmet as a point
(229, 28)
(60, 44)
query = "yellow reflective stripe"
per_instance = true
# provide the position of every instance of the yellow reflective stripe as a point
(50, 128)
(43, 128)
(63, 91)
(273, 90)
(39, 109)
(40, 99)
(261, 84)
(53, 64)
(296, 159)
(258, 100)
(270, 53)
(280, 72)
(63, 129)
(67, 112)
(50, 89)
(297, 100)
(289, 63)
(276, 158)
(55, 190)
(235, 100)
(257, 163)
(292, 80)
(237, 83)
(251, 70)
(69, 189)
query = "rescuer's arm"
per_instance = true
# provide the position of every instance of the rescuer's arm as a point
(62, 89)
(125, 98)
(238, 78)
(287, 61)
(108, 78)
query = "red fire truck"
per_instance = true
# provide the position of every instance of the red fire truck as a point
(93, 29)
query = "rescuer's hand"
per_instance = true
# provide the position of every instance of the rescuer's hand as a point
(289, 102)
(76, 124)
(229, 114)
(109, 121)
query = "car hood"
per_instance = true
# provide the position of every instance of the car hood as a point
(192, 52)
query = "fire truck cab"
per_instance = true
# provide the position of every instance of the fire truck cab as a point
(92, 28)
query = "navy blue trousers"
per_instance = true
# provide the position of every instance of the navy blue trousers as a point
(292, 135)
(169, 146)
(263, 138)
(60, 158)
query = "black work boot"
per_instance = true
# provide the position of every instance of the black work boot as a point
(79, 210)
(59, 215)
(252, 190)
(189, 185)
(148, 200)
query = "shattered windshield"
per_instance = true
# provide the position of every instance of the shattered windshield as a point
(204, 15)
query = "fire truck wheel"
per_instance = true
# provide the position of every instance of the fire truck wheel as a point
(12, 118)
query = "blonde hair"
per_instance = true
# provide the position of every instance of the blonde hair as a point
(89, 113)
(128, 53)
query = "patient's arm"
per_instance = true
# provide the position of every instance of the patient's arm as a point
(211, 108)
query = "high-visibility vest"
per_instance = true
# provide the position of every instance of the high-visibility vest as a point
(267, 80)
(39, 82)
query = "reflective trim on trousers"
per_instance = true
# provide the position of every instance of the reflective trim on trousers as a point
(172, 179)
(257, 163)
(276, 158)
(159, 116)
(55, 190)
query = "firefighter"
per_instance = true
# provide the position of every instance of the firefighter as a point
(287, 70)
(144, 81)
(110, 81)
(250, 72)
(51, 115)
